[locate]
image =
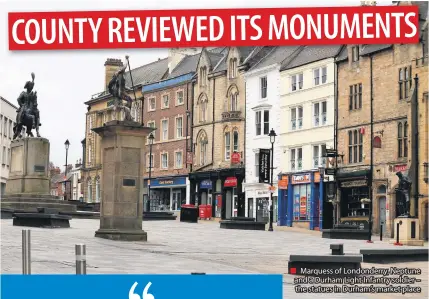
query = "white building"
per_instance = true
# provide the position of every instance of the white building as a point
(76, 185)
(307, 128)
(262, 115)
(7, 122)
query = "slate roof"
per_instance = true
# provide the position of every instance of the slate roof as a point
(244, 54)
(311, 54)
(186, 65)
(276, 55)
(147, 73)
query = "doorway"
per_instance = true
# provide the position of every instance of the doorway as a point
(382, 213)
(177, 199)
(250, 208)
(262, 214)
(228, 204)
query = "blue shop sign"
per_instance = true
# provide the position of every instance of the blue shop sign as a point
(168, 182)
(206, 184)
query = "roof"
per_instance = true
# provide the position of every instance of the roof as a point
(244, 53)
(276, 55)
(7, 102)
(311, 54)
(186, 65)
(147, 73)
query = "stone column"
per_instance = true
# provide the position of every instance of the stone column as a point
(123, 154)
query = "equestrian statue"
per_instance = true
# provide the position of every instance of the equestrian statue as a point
(118, 90)
(27, 115)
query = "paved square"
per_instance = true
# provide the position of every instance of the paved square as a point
(175, 247)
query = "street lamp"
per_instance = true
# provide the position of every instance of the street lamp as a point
(151, 138)
(67, 145)
(272, 140)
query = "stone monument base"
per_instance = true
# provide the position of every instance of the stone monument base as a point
(409, 231)
(122, 235)
(29, 203)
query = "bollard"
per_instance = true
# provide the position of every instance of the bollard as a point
(381, 232)
(26, 251)
(80, 250)
(397, 234)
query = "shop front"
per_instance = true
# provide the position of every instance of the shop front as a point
(168, 194)
(220, 188)
(258, 202)
(354, 198)
(301, 200)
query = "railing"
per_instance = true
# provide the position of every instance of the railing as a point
(292, 165)
(323, 118)
(316, 120)
(299, 164)
(316, 162)
(299, 123)
(293, 124)
(231, 115)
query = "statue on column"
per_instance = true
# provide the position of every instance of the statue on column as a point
(118, 90)
(28, 115)
(404, 187)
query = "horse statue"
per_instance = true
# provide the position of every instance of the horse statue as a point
(27, 115)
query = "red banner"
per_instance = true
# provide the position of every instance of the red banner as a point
(212, 27)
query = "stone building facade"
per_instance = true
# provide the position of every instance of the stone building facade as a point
(7, 122)
(366, 74)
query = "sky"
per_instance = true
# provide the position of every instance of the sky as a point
(66, 79)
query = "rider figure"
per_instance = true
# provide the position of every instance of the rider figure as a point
(117, 89)
(27, 102)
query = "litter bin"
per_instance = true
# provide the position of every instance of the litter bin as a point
(189, 213)
(205, 212)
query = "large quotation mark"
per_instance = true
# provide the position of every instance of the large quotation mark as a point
(145, 295)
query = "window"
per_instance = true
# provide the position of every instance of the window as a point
(178, 161)
(355, 146)
(227, 146)
(149, 161)
(320, 75)
(203, 76)
(165, 101)
(233, 68)
(3, 161)
(319, 117)
(152, 104)
(263, 87)
(89, 191)
(203, 152)
(164, 160)
(402, 139)
(262, 117)
(10, 129)
(8, 157)
(235, 142)
(355, 96)
(355, 53)
(297, 82)
(5, 127)
(179, 97)
(164, 125)
(203, 111)
(89, 154)
(405, 82)
(90, 121)
(318, 153)
(234, 102)
(179, 127)
(296, 118)
(296, 159)
(151, 124)
(97, 190)
(256, 164)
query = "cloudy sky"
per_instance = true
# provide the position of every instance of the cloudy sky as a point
(66, 79)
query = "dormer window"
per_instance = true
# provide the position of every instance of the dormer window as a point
(233, 68)
(355, 53)
(203, 76)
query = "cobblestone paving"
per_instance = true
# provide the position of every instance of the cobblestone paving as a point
(175, 247)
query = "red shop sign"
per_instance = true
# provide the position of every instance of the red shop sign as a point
(235, 158)
(401, 167)
(230, 182)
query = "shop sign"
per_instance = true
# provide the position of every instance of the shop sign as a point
(230, 182)
(261, 193)
(206, 184)
(301, 178)
(235, 158)
(317, 177)
(264, 165)
(402, 167)
(352, 184)
(283, 183)
(189, 157)
(168, 182)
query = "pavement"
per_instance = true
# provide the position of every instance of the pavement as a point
(176, 247)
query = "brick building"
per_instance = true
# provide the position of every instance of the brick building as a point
(167, 108)
(219, 129)
(365, 73)
(100, 111)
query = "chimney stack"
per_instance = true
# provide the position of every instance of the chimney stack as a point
(111, 66)
(368, 3)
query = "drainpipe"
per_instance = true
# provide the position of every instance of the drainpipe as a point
(192, 123)
(415, 151)
(213, 118)
(336, 140)
(372, 154)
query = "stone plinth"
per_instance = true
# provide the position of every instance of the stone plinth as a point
(409, 231)
(123, 158)
(28, 185)
(29, 167)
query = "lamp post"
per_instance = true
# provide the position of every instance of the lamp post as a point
(151, 138)
(272, 140)
(67, 145)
